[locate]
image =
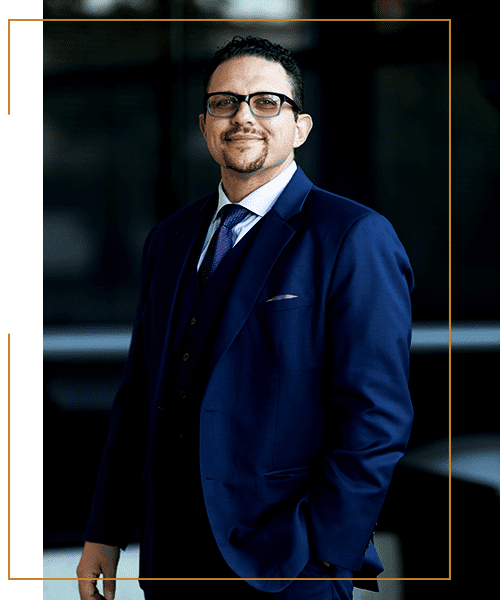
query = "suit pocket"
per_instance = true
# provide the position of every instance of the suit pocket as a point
(285, 304)
(286, 485)
(294, 325)
(286, 474)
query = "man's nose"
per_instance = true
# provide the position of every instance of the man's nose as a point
(243, 114)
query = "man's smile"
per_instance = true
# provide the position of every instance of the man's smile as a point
(244, 138)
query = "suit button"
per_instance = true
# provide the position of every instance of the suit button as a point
(185, 357)
(182, 394)
(160, 407)
(193, 321)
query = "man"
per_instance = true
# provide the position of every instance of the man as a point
(265, 398)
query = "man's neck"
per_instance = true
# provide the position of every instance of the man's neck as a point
(239, 185)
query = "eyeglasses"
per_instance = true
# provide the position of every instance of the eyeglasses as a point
(262, 104)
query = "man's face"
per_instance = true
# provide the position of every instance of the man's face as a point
(245, 143)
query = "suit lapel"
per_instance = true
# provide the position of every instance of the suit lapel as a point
(273, 236)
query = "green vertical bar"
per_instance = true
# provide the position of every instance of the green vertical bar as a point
(21, 252)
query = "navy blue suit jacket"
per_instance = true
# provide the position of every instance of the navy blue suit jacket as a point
(306, 411)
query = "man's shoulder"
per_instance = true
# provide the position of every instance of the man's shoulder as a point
(334, 219)
(321, 205)
(328, 208)
(326, 200)
(165, 228)
(186, 212)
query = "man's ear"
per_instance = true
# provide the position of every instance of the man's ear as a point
(202, 124)
(304, 125)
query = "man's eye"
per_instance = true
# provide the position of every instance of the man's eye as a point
(265, 102)
(225, 102)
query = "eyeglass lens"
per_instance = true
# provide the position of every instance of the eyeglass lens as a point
(264, 105)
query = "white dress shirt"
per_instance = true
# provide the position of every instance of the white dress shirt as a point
(259, 202)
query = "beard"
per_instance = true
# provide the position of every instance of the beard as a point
(235, 159)
(240, 165)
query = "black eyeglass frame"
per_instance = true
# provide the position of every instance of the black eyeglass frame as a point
(241, 98)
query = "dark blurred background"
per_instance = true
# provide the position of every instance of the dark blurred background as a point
(122, 150)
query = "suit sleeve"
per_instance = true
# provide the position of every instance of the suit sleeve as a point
(368, 411)
(117, 498)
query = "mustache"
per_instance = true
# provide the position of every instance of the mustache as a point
(227, 135)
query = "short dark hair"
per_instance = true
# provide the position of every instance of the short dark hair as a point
(254, 46)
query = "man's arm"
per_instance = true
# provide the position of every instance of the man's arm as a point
(368, 411)
(116, 499)
(117, 494)
(114, 514)
(115, 511)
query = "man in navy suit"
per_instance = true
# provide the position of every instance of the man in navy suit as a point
(265, 403)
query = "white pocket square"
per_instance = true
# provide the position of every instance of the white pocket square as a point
(282, 297)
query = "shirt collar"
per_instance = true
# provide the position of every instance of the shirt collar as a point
(261, 200)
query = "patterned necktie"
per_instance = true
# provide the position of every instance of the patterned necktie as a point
(221, 241)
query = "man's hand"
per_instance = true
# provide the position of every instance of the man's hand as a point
(97, 559)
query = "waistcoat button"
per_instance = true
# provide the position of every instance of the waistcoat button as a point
(185, 357)
(193, 321)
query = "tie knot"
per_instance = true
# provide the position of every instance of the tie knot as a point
(232, 214)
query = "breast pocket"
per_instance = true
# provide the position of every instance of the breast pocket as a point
(292, 326)
(284, 304)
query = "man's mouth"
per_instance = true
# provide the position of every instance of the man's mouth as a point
(238, 138)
